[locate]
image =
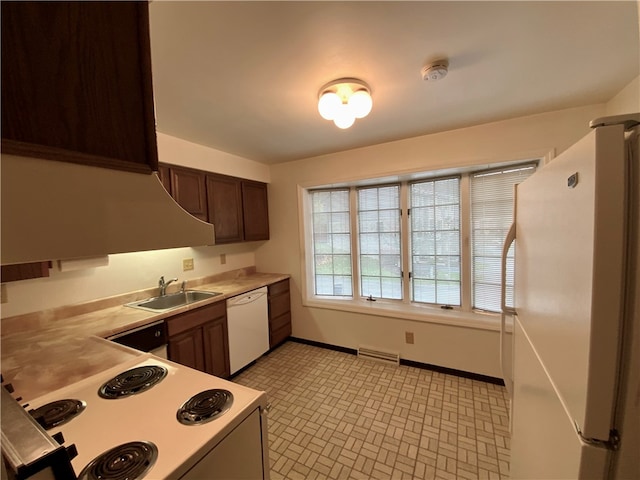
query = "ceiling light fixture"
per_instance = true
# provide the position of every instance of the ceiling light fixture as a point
(344, 100)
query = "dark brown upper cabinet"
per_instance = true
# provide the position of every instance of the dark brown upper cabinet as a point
(237, 208)
(189, 190)
(76, 83)
(255, 210)
(164, 173)
(224, 196)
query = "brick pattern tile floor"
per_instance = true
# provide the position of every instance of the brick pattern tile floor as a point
(334, 416)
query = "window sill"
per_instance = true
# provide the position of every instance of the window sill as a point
(416, 313)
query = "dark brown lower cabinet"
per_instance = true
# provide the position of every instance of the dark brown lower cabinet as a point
(279, 312)
(188, 349)
(199, 339)
(216, 344)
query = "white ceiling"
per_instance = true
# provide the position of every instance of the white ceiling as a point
(243, 77)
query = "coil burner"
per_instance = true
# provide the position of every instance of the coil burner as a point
(57, 413)
(129, 461)
(133, 381)
(205, 406)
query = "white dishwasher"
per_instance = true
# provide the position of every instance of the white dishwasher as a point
(248, 326)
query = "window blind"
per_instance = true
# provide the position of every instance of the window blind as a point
(491, 216)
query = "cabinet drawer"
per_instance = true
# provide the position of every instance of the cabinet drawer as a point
(279, 287)
(278, 336)
(279, 305)
(188, 320)
(281, 321)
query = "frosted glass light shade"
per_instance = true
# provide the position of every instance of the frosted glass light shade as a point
(344, 100)
(345, 117)
(328, 105)
(360, 103)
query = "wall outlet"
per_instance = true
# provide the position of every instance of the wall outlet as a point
(187, 264)
(408, 337)
(223, 258)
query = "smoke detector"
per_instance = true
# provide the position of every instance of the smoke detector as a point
(435, 71)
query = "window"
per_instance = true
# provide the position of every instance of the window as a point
(434, 241)
(331, 242)
(379, 241)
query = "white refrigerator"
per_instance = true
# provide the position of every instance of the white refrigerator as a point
(575, 390)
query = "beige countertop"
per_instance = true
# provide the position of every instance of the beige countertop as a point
(48, 350)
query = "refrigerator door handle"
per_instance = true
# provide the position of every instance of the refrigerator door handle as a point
(504, 309)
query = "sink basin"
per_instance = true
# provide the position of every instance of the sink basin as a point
(173, 300)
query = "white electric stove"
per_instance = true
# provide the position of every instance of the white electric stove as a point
(221, 435)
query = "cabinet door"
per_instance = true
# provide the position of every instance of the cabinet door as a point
(187, 349)
(76, 83)
(188, 189)
(216, 347)
(224, 197)
(164, 173)
(255, 211)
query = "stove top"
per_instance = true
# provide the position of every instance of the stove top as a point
(150, 416)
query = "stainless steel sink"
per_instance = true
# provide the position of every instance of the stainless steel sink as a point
(173, 300)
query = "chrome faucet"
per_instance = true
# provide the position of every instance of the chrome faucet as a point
(163, 285)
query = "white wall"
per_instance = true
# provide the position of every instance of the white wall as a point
(126, 272)
(453, 347)
(176, 151)
(136, 271)
(626, 101)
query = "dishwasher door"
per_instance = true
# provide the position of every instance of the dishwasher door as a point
(248, 327)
